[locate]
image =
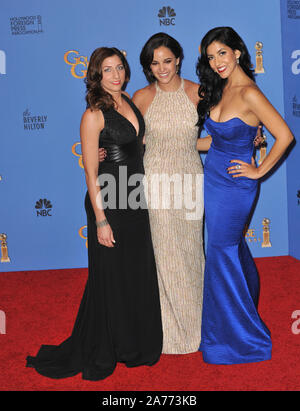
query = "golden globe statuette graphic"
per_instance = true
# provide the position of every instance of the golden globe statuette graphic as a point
(259, 58)
(80, 162)
(4, 250)
(80, 232)
(266, 233)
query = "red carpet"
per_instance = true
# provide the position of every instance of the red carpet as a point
(41, 307)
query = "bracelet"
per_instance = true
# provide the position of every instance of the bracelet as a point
(101, 223)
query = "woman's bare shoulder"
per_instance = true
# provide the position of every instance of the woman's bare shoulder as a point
(191, 85)
(191, 90)
(143, 97)
(251, 93)
(144, 92)
(92, 118)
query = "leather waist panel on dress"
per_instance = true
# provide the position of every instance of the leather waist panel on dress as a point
(117, 153)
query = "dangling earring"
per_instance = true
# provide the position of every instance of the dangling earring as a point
(237, 61)
(177, 68)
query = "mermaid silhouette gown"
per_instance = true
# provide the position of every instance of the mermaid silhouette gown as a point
(119, 318)
(232, 330)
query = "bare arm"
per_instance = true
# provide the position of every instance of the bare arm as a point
(203, 144)
(92, 123)
(273, 121)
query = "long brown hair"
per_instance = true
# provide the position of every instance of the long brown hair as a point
(96, 97)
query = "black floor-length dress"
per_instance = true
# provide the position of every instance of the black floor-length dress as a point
(119, 318)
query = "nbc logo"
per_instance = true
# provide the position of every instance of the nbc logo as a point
(43, 207)
(167, 16)
(2, 62)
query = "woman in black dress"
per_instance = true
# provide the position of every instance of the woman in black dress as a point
(119, 316)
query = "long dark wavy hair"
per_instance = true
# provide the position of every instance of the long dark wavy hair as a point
(96, 97)
(211, 84)
(154, 42)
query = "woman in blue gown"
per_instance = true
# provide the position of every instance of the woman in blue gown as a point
(230, 109)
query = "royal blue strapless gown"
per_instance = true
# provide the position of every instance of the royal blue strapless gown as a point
(232, 330)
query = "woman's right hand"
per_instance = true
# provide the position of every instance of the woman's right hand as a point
(259, 138)
(101, 154)
(105, 236)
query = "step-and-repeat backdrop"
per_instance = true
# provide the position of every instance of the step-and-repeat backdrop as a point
(44, 52)
(290, 20)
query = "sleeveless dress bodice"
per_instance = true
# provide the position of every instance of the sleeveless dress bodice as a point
(124, 159)
(231, 140)
(119, 138)
(171, 133)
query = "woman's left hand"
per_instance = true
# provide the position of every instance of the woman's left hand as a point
(242, 169)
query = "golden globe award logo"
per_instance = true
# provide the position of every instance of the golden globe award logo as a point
(82, 234)
(259, 58)
(266, 233)
(253, 238)
(4, 249)
(79, 64)
(79, 155)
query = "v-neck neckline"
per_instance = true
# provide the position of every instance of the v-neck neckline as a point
(128, 121)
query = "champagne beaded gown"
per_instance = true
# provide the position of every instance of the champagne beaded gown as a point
(176, 215)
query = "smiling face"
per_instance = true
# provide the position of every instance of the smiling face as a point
(113, 74)
(164, 64)
(222, 59)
